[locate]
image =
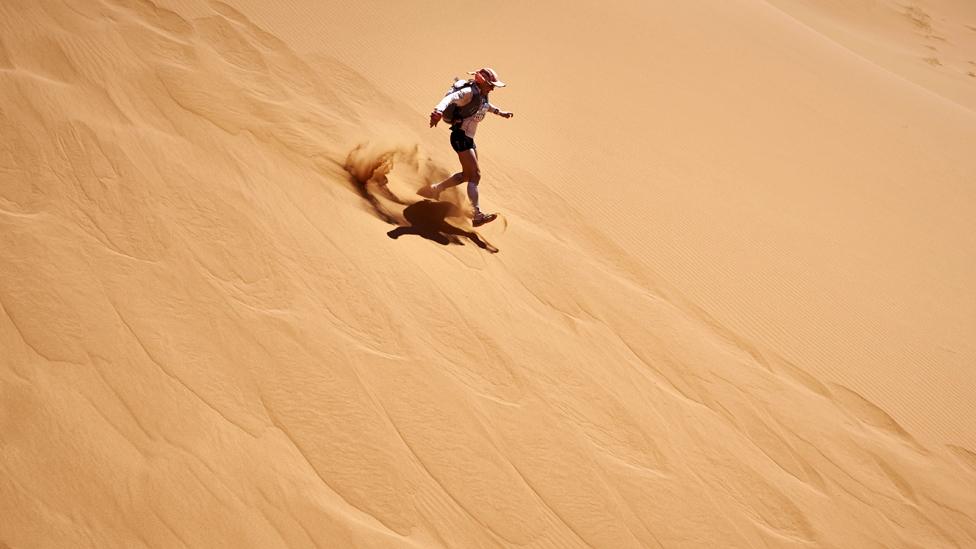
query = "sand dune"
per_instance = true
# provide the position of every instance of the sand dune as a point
(729, 301)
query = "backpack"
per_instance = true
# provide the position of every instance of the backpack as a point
(454, 114)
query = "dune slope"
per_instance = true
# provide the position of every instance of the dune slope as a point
(210, 340)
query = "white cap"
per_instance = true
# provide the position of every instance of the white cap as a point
(490, 76)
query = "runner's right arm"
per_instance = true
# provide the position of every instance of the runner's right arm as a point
(460, 98)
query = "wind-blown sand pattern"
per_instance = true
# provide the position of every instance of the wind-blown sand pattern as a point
(729, 302)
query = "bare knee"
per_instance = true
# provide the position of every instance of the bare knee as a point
(473, 176)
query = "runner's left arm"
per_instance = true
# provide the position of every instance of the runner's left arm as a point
(495, 110)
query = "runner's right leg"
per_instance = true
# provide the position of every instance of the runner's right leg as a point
(469, 172)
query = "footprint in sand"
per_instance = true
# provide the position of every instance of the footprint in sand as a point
(919, 18)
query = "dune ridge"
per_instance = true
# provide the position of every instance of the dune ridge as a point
(209, 340)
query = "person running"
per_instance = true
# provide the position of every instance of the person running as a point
(470, 104)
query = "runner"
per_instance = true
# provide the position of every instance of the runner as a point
(464, 109)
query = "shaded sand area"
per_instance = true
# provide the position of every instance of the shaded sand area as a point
(729, 301)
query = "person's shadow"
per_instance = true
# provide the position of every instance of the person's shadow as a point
(427, 219)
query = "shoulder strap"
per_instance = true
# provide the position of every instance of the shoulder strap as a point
(473, 105)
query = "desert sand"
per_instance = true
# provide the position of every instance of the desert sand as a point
(730, 300)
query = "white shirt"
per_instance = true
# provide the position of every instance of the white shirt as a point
(461, 98)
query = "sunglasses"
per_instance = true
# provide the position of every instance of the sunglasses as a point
(487, 78)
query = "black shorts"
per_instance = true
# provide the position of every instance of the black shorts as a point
(460, 140)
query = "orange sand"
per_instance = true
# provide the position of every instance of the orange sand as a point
(733, 303)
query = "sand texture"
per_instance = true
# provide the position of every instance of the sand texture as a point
(730, 300)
